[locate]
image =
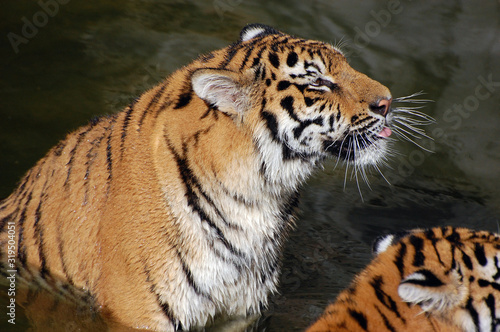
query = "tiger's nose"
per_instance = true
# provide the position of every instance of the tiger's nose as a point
(382, 107)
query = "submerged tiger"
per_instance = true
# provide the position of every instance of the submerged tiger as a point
(439, 279)
(174, 211)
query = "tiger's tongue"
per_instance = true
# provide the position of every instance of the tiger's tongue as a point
(386, 132)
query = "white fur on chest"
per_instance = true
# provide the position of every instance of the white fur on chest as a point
(233, 248)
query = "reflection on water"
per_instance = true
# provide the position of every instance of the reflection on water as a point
(93, 58)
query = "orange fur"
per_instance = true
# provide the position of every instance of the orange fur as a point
(173, 211)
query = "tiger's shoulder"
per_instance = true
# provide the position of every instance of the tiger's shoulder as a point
(439, 279)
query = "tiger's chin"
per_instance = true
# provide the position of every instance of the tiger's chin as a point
(375, 152)
(360, 150)
(371, 155)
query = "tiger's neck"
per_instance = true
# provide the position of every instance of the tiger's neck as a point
(233, 196)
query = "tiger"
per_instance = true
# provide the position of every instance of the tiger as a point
(437, 279)
(174, 211)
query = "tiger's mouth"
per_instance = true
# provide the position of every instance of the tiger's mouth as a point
(385, 132)
(354, 144)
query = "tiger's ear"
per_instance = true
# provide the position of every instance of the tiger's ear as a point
(431, 293)
(383, 242)
(221, 88)
(255, 30)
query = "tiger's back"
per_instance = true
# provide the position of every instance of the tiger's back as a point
(173, 211)
(441, 279)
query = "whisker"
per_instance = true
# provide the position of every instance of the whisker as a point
(347, 159)
(411, 140)
(417, 131)
(403, 112)
(412, 121)
(356, 165)
(409, 99)
(382, 174)
(340, 150)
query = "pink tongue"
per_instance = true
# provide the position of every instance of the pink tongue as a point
(386, 132)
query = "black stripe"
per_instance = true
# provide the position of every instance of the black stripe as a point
(91, 156)
(331, 119)
(418, 244)
(6, 219)
(184, 99)
(126, 121)
(232, 50)
(454, 237)
(206, 57)
(430, 279)
(260, 73)
(21, 188)
(274, 59)
(368, 119)
(485, 283)
(339, 113)
(272, 125)
(467, 261)
(292, 59)
(59, 148)
(167, 310)
(377, 283)
(256, 59)
(360, 318)
(385, 320)
(473, 313)
(490, 302)
(297, 131)
(246, 57)
(309, 101)
(480, 255)
(189, 277)
(165, 307)
(152, 102)
(429, 234)
(287, 104)
(109, 152)
(60, 247)
(497, 274)
(95, 120)
(191, 182)
(211, 110)
(73, 153)
(21, 250)
(320, 54)
(38, 235)
(399, 260)
(283, 85)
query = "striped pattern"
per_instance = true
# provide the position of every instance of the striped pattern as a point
(175, 210)
(451, 274)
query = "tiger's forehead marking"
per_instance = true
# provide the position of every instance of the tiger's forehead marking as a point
(285, 49)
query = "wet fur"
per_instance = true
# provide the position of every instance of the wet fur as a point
(174, 211)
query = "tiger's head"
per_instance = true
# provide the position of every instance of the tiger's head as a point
(300, 98)
(450, 273)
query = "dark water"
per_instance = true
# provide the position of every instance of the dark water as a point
(89, 58)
